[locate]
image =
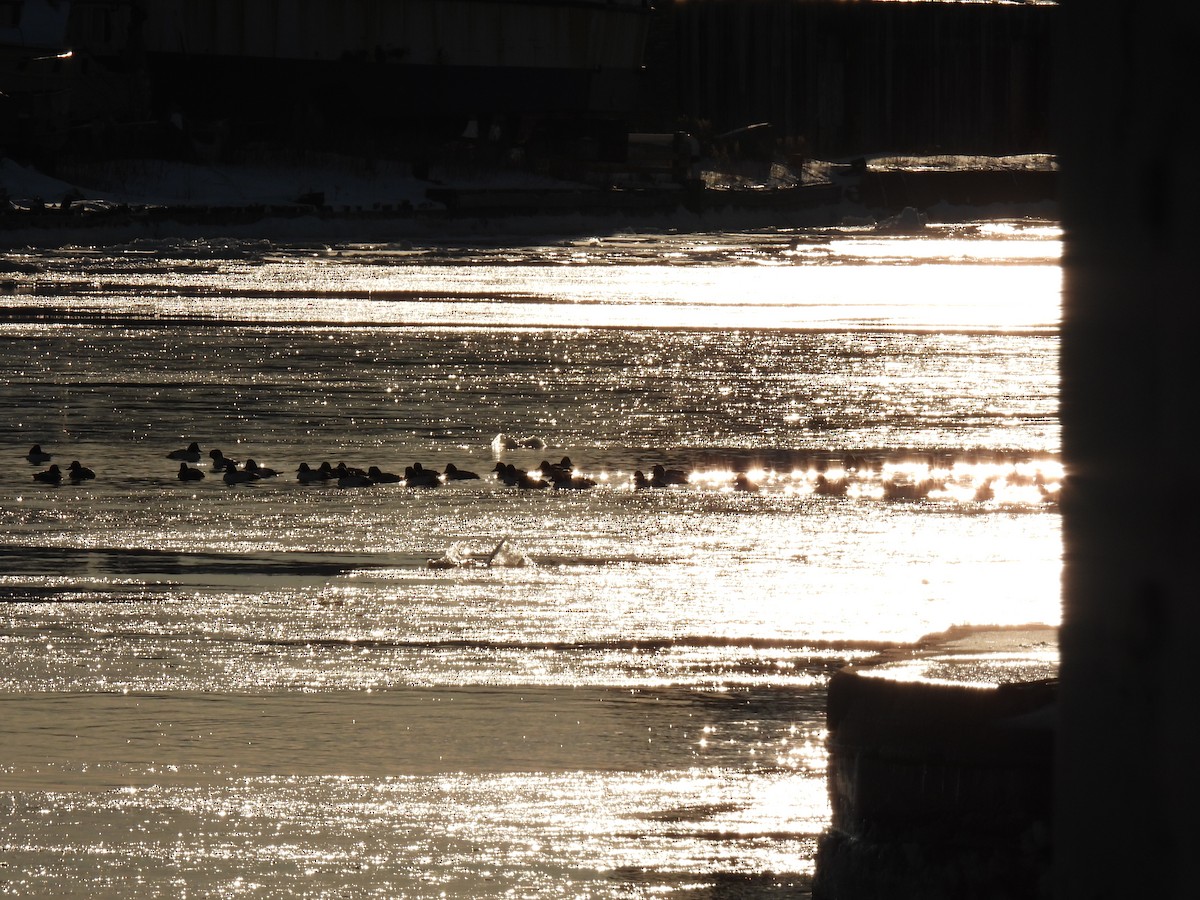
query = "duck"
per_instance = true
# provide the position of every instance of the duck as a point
(562, 476)
(79, 472)
(341, 470)
(306, 474)
(908, 490)
(51, 476)
(664, 477)
(379, 477)
(554, 471)
(260, 471)
(564, 468)
(830, 488)
(417, 475)
(640, 481)
(190, 453)
(354, 478)
(453, 473)
(187, 473)
(573, 483)
(513, 477)
(742, 482)
(220, 461)
(37, 456)
(660, 477)
(506, 473)
(234, 475)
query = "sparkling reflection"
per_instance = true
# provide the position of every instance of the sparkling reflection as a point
(481, 689)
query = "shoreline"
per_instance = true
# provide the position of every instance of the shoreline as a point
(157, 200)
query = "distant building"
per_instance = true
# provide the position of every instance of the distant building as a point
(375, 75)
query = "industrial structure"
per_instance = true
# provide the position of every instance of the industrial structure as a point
(522, 79)
(394, 78)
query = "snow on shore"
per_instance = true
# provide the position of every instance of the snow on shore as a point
(343, 185)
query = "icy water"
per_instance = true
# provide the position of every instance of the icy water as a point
(479, 689)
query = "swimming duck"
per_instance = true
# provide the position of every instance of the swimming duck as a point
(234, 475)
(664, 477)
(453, 473)
(558, 471)
(341, 470)
(380, 477)
(659, 477)
(573, 483)
(908, 490)
(37, 456)
(220, 461)
(742, 482)
(190, 453)
(51, 476)
(79, 472)
(562, 476)
(417, 475)
(830, 488)
(187, 473)
(513, 477)
(260, 471)
(553, 471)
(307, 475)
(353, 478)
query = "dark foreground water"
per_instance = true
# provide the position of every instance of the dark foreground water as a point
(475, 689)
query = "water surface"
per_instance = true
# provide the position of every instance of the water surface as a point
(267, 689)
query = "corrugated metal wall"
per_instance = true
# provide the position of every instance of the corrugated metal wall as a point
(578, 35)
(859, 77)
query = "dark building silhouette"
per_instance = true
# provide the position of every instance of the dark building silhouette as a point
(849, 78)
(567, 77)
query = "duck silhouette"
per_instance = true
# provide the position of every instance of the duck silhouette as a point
(453, 473)
(51, 476)
(380, 477)
(664, 477)
(513, 477)
(909, 491)
(353, 478)
(37, 456)
(562, 476)
(417, 475)
(260, 471)
(234, 475)
(659, 477)
(187, 473)
(826, 487)
(306, 474)
(190, 453)
(742, 482)
(220, 461)
(341, 470)
(79, 472)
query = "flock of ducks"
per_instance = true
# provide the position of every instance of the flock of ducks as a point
(342, 475)
(76, 472)
(561, 475)
(856, 477)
